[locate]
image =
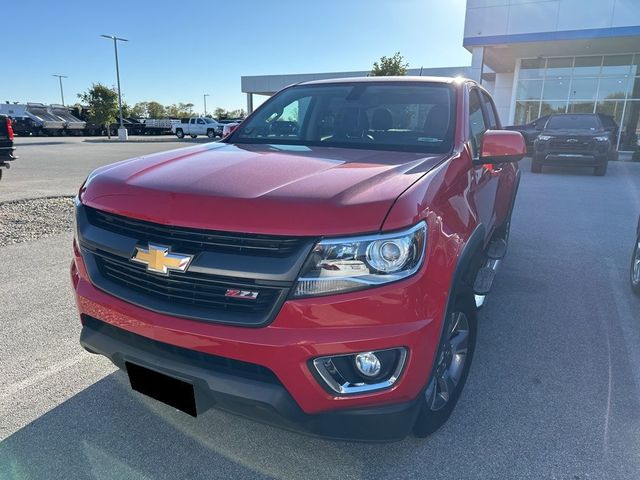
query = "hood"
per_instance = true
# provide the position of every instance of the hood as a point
(574, 133)
(271, 189)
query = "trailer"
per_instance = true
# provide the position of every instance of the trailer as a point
(90, 129)
(72, 125)
(159, 126)
(133, 126)
(45, 122)
(32, 119)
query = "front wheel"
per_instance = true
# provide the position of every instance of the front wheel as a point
(600, 171)
(451, 367)
(536, 167)
(211, 134)
(635, 267)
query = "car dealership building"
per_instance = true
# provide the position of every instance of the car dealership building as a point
(538, 57)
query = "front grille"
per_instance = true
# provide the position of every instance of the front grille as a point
(192, 289)
(191, 238)
(260, 264)
(192, 358)
(581, 146)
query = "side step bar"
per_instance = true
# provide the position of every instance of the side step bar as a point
(484, 281)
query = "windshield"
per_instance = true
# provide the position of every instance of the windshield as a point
(573, 122)
(379, 116)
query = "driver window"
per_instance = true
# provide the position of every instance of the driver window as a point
(200, 121)
(289, 122)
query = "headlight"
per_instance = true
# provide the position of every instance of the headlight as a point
(544, 138)
(346, 264)
(76, 206)
(602, 138)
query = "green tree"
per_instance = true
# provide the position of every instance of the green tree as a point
(238, 113)
(186, 107)
(103, 105)
(126, 110)
(156, 110)
(221, 113)
(139, 110)
(390, 66)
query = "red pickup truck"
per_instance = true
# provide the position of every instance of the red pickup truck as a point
(6, 143)
(319, 269)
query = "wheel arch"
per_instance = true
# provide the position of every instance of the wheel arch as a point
(470, 253)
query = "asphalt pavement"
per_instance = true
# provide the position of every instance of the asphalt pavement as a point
(50, 166)
(553, 392)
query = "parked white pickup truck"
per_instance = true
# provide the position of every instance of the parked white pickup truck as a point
(197, 126)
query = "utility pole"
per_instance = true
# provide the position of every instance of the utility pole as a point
(122, 132)
(205, 103)
(60, 77)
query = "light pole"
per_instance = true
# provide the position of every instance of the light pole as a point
(122, 132)
(205, 103)
(60, 77)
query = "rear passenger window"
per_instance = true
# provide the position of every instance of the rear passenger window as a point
(476, 120)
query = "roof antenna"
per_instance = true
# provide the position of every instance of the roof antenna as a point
(421, 70)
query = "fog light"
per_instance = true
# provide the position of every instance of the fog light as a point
(354, 373)
(368, 364)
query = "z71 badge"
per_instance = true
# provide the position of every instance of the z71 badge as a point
(245, 294)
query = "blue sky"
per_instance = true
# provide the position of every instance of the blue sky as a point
(181, 49)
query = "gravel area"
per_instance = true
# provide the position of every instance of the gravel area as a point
(28, 220)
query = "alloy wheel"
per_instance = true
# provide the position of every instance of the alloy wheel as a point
(450, 363)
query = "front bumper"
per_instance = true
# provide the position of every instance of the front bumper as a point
(396, 315)
(570, 159)
(266, 401)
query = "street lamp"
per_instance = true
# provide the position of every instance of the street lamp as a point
(205, 103)
(60, 77)
(122, 132)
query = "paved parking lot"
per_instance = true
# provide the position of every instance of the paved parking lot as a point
(57, 165)
(554, 391)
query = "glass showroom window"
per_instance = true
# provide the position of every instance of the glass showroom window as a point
(529, 89)
(608, 84)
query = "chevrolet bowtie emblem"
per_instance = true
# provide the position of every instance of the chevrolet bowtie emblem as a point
(158, 259)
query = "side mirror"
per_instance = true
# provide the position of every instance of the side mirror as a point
(502, 146)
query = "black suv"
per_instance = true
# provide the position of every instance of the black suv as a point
(6, 142)
(574, 139)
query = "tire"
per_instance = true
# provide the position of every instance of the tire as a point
(635, 268)
(536, 167)
(179, 133)
(601, 170)
(449, 372)
(211, 134)
(194, 136)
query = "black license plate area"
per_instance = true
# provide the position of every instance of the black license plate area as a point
(172, 391)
